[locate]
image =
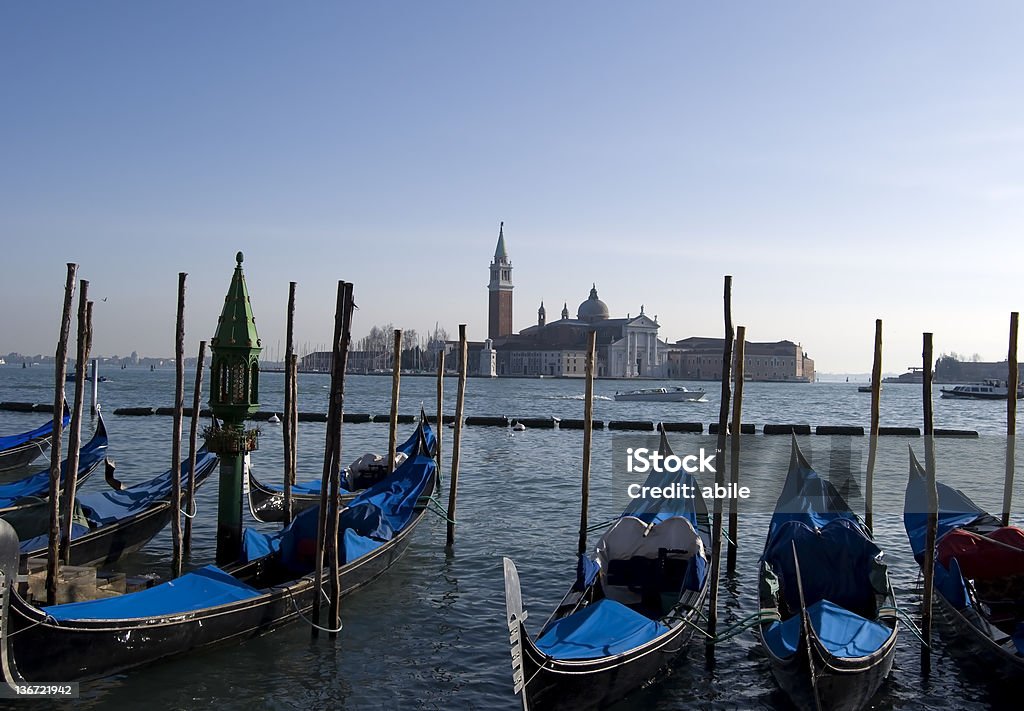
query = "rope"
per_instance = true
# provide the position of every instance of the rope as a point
(598, 526)
(310, 622)
(195, 509)
(46, 618)
(907, 620)
(440, 512)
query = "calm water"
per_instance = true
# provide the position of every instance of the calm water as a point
(431, 633)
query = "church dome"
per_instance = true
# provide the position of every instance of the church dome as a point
(593, 309)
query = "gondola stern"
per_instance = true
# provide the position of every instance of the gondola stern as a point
(518, 637)
(10, 557)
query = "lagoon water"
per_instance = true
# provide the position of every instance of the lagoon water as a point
(431, 633)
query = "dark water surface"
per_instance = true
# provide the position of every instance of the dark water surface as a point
(431, 634)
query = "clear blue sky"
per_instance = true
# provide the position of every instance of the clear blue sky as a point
(843, 161)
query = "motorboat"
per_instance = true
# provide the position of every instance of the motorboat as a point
(676, 394)
(988, 389)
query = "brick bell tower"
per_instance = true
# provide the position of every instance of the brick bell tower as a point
(499, 316)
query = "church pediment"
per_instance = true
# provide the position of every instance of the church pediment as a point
(642, 321)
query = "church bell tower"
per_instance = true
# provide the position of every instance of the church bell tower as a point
(499, 317)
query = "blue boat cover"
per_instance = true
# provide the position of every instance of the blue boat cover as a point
(841, 632)
(955, 510)
(11, 441)
(111, 506)
(836, 563)
(587, 570)
(203, 588)
(602, 629)
(312, 487)
(42, 541)
(808, 498)
(38, 484)
(1018, 638)
(950, 584)
(377, 514)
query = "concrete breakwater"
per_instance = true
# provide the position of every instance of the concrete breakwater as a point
(541, 422)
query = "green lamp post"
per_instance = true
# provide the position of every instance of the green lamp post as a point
(234, 395)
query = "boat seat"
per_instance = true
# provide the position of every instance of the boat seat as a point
(642, 566)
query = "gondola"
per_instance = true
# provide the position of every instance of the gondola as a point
(834, 638)
(17, 498)
(111, 524)
(20, 450)
(979, 574)
(631, 612)
(266, 501)
(270, 587)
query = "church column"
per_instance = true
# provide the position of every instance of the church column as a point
(632, 355)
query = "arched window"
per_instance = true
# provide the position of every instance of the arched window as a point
(225, 383)
(254, 382)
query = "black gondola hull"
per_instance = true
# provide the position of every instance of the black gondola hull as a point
(74, 650)
(13, 460)
(108, 544)
(970, 641)
(562, 686)
(842, 684)
(267, 505)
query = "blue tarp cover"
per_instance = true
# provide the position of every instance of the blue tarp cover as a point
(41, 542)
(603, 629)
(110, 506)
(950, 584)
(955, 510)
(376, 514)
(808, 498)
(836, 562)
(843, 633)
(206, 587)
(312, 487)
(38, 484)
(11, 441)
(1018, 638)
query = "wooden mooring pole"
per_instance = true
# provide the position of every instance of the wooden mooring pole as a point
(734, 450)
(933, 506)
(60, 372)
(193, 436)
(588, 432)
(876, 401)
(75, 434)
(1011, 418)
(294, 454)
(439, 426)
(460, 401)
(396, 382)
(286, 416)
(334, 509)
(179, 407)
(327, 517)
(723, 426)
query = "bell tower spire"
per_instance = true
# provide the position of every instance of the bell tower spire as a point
(499, 317)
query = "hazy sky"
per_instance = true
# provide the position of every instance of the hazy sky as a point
(843, 161)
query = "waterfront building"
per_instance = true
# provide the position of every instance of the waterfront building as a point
(698, 358)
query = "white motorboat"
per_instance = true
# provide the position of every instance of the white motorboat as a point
(989, 389)
(677, 394)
